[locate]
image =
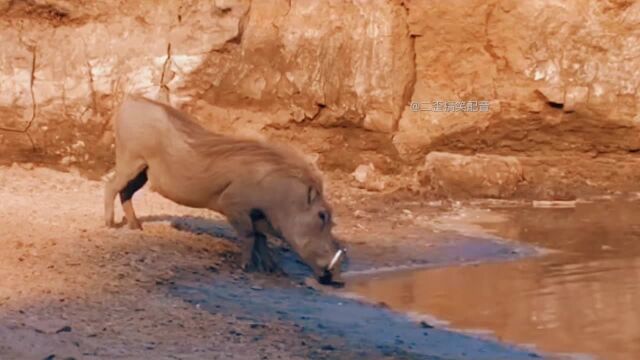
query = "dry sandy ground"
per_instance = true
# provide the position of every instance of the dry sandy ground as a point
(72, 288)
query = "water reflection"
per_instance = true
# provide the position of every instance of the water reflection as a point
(583, 299)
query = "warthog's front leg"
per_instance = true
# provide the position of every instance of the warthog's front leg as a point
(262, 258)
(256, 255)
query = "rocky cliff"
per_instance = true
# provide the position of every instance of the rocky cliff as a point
(540, 96)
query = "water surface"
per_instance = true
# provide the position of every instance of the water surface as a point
(582, 298)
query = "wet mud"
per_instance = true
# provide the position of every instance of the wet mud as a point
(350, 327)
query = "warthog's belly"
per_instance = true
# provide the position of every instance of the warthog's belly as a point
(180, 186)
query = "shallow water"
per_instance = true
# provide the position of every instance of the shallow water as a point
(582, 299)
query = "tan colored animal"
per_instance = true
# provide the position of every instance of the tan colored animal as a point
(261, 189)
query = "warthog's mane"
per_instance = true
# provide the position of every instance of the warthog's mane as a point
(282, 161)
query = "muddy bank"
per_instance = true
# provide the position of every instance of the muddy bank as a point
(71, 288)
(343, 328)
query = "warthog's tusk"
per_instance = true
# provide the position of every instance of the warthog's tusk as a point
(336, 258)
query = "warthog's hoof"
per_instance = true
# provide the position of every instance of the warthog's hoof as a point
(134, 225)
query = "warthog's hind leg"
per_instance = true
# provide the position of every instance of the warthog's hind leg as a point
(125, 198)
(117, 183)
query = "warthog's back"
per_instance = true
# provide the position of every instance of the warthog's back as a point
(192, 165)
(142, 128)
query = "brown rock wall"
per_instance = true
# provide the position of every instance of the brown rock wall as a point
(561, 78)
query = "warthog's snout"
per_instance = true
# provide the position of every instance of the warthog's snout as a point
(331, 273)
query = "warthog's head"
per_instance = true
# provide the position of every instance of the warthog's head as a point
(306, 224)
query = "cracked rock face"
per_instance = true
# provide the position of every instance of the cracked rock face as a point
(544, 66)
(557, 77)
(229, 62)
(71, 62)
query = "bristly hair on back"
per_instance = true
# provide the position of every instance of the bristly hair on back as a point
(283, 160)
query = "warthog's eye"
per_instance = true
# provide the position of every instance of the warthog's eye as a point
(325, 217)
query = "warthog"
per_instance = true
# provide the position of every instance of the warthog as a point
(261, 188)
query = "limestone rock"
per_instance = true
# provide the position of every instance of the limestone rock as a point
(362, 172)
(368, 178)
(478, 176)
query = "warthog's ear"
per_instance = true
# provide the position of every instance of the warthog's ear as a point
(311, 195)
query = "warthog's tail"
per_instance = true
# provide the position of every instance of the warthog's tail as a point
(109, 176)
